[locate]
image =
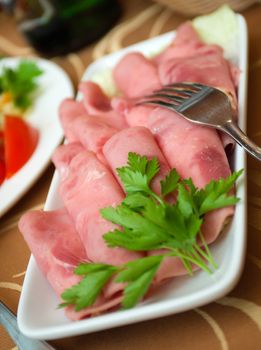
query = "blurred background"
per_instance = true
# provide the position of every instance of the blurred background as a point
(59, 29)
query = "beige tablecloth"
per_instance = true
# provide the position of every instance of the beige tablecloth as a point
(233, 322)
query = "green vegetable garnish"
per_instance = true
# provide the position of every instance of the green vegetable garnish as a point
(148, 222)
(21, 83)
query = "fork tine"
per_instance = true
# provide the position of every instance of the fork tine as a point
(194, 87)
(198, 85)
(161, 94)
(178, 92)
(158, 103)
(163, 97)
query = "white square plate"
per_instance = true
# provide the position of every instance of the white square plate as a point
(38, 316)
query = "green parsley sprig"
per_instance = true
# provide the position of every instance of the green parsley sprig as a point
(148, 223)
(20, 82)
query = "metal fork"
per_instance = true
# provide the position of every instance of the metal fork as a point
(202, 105)
(8, 320)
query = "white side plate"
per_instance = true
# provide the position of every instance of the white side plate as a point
(54, 86)
(37, 313)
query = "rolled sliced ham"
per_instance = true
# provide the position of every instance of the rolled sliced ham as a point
(91, 132)
(63, 156)
(99, 105)
(69, 110)
(57, 249)
(209, 69)
(134, 114)
(195, 151)
(55, 245)
(185, 43)
(139, 140)
(189, 59)
(135, 75)
(89, 187)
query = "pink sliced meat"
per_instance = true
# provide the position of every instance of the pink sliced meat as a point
(135, 75)
(102, 304)
(134, 115)
(55, 244)
(89, 187)
(69, 110)
(94, 99)
(186, 36)
(211, 69)
(186, 43)
(98, 104)
(57, 249)
(215, 222)
(113, 289)
(140, 115)
(170, 267)
(139, 140)
(235, 73)
(92, 134)
(64, 154)
(195, 151)
(189, 59)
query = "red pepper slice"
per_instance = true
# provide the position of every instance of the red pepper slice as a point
(2, 158)
(20, 140)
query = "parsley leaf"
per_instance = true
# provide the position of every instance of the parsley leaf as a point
(87, 290)
(136, 268)
(185, 201)
(216, 195)
(85, 268)
(20, 83)
(136, 201)
(169, 184)
(137, 163)
(138, 288)
(138, 173)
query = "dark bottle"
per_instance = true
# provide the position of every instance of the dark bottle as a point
(57, 27)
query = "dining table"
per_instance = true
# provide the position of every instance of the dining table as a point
(230, 323)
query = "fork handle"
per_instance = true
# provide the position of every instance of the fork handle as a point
(8, 320)
(241, 138)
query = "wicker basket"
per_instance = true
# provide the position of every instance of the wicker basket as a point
(199, 7)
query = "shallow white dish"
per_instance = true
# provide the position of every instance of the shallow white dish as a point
(37, 313)
(54, 86)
